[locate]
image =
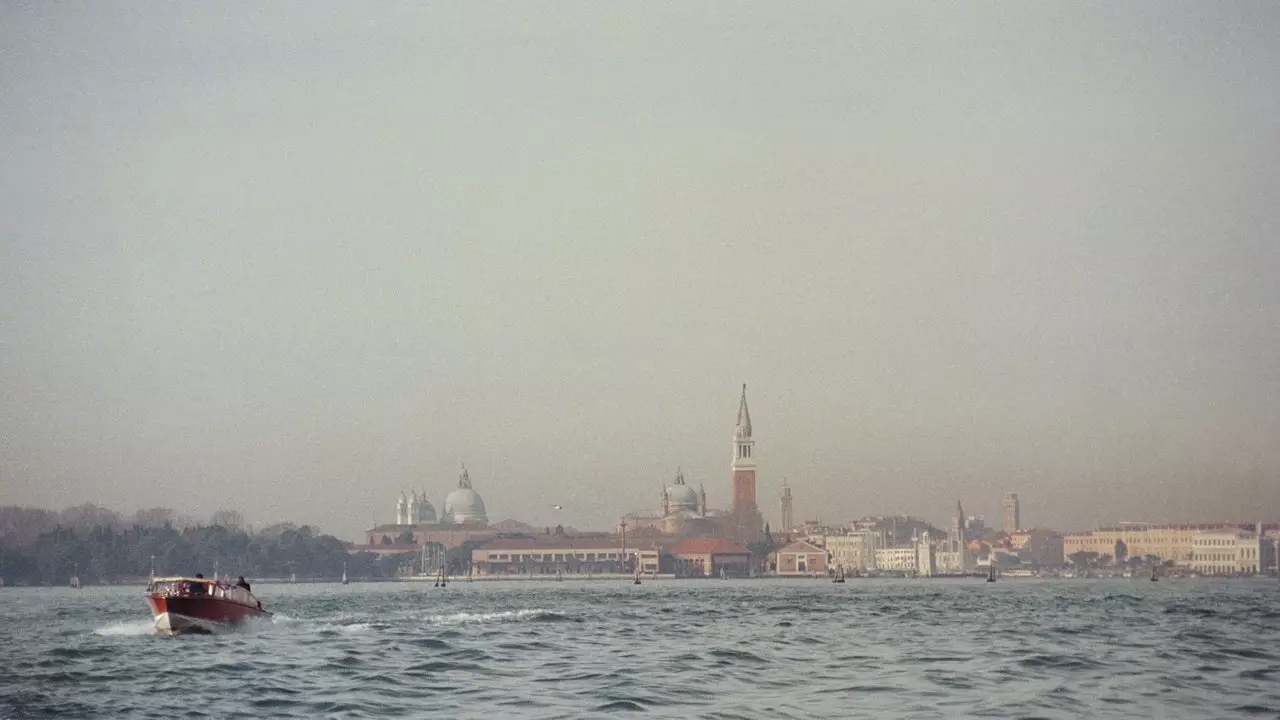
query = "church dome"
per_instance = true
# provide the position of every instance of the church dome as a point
(426, 512)
(464, 505)
(682, 497)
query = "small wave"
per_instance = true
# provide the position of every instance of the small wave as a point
(129, 627)
(465, 618)
(738, 655)
(616, 705)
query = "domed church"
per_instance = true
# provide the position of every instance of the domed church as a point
(464, 506)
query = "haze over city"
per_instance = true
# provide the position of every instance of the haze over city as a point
(294, 261)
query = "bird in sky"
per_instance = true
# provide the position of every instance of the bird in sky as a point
(558, 507)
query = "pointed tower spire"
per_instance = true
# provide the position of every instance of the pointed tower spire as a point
(464, 480)
(744, 416)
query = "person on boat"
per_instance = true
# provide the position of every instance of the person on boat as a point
(242, 583)
(197, 588)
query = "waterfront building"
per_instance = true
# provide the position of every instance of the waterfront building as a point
(948, 562)
(1168, 543)
(1011, 513)
(560, 554)
(710, 557)
(897, 559)
(853, 551)
(800, 559)
(1226, 551)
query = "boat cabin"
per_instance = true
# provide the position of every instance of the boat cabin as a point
(185, 587)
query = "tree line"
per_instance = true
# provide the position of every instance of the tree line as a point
(42, 547)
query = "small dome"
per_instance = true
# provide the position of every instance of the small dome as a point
(426, 512)
(464, 505)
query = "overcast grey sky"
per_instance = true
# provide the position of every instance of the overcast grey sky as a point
(294, 259)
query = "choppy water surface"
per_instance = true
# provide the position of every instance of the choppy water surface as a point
(749, 649)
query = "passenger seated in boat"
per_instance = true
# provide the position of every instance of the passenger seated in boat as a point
(242, 583)
(197, 588)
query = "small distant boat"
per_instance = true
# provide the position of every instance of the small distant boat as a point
(184, 605)
(1155, 573)
(991, 572)
(637, 578)
(839, 576)
(344, 573)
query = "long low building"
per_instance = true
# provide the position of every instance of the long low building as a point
(1169, 543)
(553, 554)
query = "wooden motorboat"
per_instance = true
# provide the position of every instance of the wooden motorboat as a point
(200, 605)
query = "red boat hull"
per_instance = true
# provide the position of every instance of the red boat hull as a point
(194, 614)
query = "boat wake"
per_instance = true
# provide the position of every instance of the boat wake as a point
(127, 628)
(528, 615)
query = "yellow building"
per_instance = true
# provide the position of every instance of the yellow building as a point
(1170, 543)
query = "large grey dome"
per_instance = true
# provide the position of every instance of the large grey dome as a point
(464, 505)
(682, 497)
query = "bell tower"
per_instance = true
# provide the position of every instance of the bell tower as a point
(745, 512)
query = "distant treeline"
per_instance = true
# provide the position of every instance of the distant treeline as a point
(45, 547)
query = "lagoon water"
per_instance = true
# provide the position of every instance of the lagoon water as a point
(712, 648)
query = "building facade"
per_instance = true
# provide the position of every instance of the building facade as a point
(1011, 513)
(801, 559)
(558, 554)
(710, 557)
(855, 551)
(1168, 543)
(1228, 551)
(897, 559)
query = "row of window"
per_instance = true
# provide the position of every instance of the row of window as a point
(553, 557)
(1217, 542)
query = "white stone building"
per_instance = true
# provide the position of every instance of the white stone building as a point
(1228, 551)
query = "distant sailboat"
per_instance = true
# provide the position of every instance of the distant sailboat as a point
(637, 579)
(75, 578)
(991, 572)
(839, 578)
(344, 573)
(1155, 573)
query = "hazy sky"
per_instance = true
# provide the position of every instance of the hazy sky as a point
(294, 259)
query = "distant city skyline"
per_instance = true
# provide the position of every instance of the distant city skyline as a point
(297, 260)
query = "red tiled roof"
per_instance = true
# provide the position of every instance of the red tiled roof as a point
(708, 546)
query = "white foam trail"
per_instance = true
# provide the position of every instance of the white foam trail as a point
(468, 618)
(130, 627)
